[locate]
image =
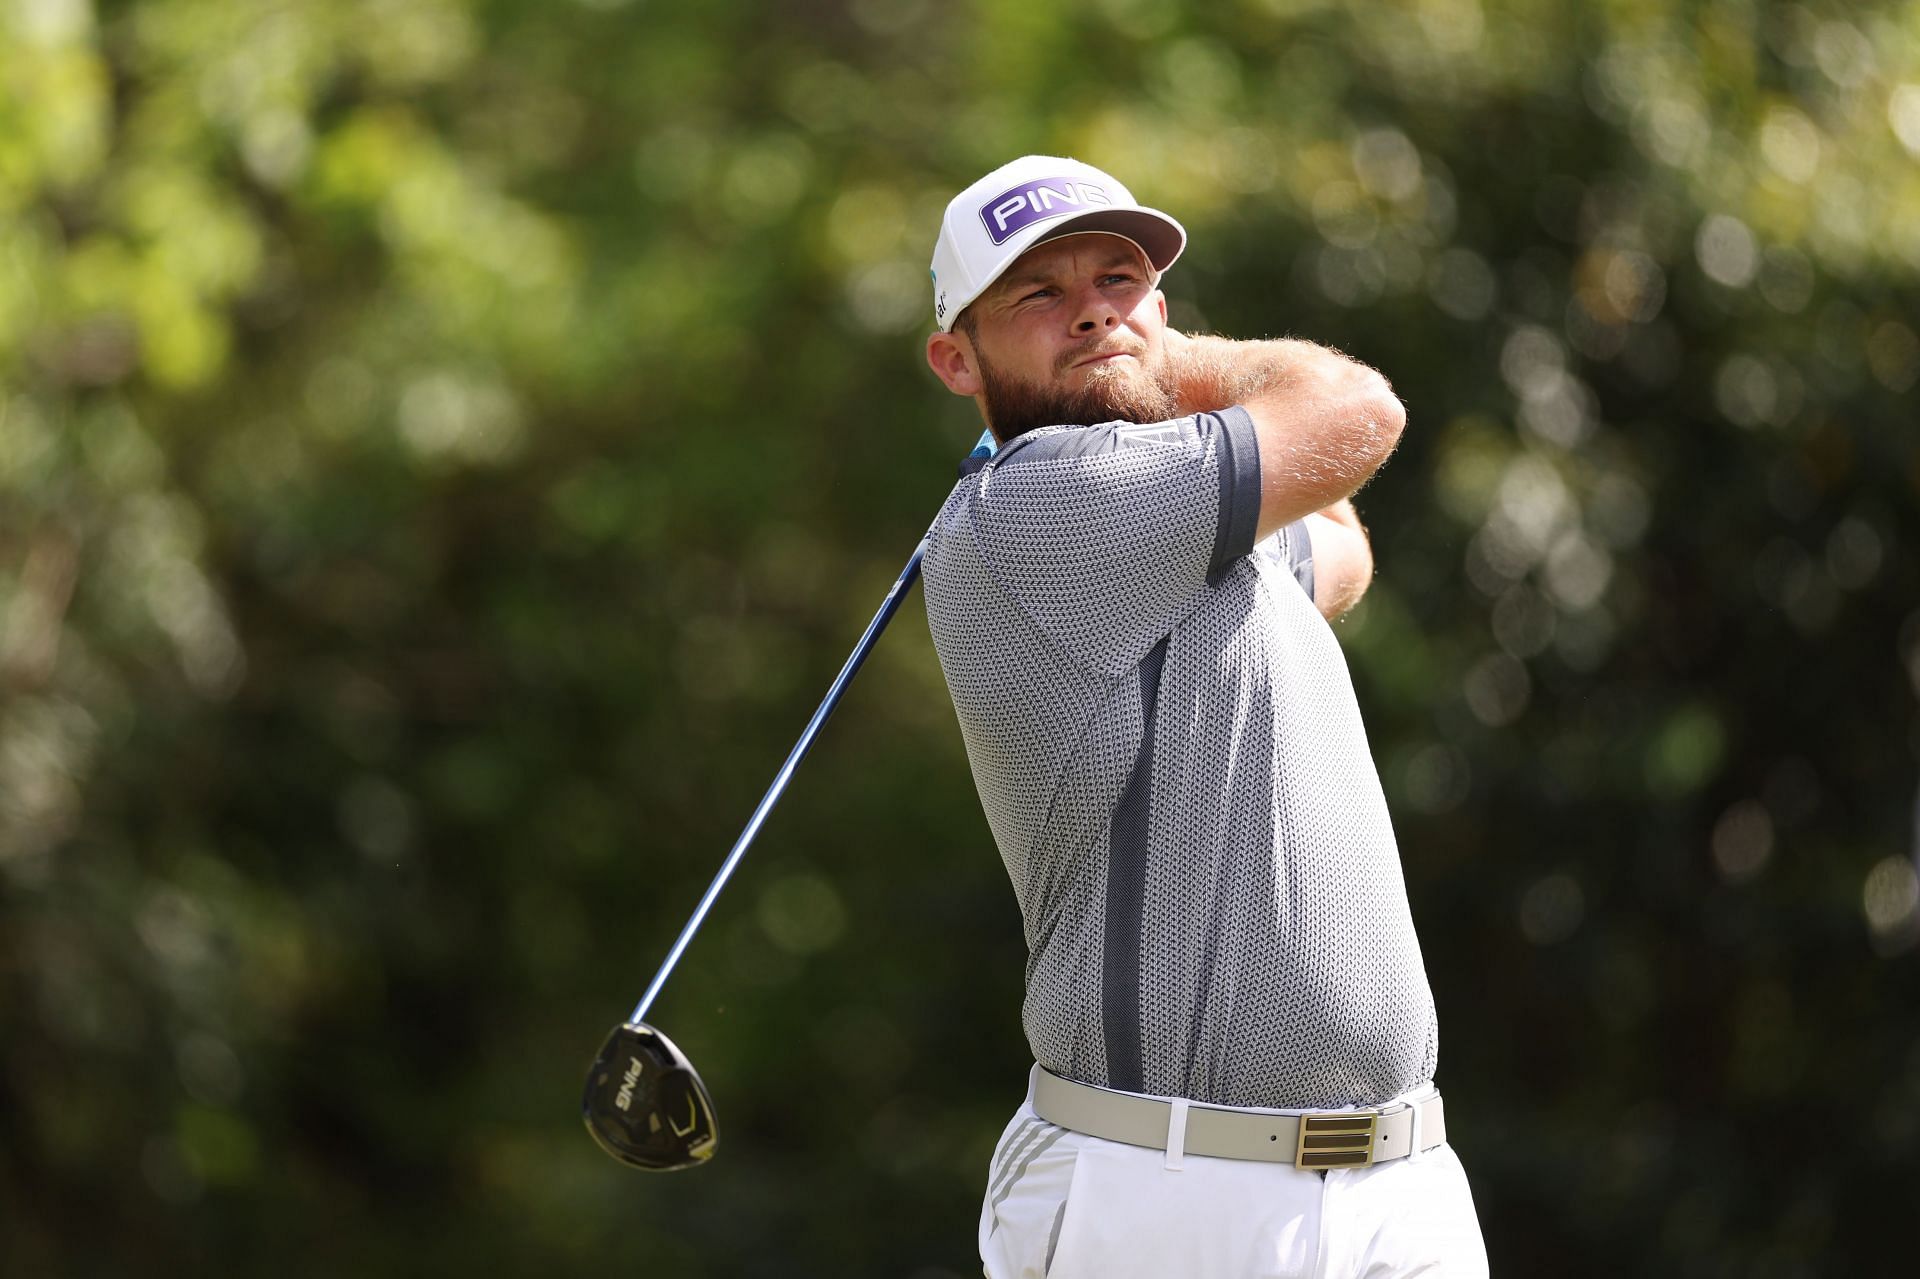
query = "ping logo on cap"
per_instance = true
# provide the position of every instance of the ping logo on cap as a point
(1030, 202)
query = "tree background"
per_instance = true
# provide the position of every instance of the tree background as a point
(446, 447)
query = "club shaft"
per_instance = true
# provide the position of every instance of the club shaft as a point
(888, 607)
(982, 451)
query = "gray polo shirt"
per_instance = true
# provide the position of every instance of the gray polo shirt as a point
(1165, 740)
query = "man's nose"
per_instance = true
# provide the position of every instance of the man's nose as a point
(1095, 313)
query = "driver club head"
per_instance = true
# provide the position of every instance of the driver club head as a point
(645, 1104)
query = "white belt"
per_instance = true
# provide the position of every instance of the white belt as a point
(1311, 1140)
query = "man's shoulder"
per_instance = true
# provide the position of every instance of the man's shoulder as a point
(1057, 443)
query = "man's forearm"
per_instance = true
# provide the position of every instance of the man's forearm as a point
(1342, 512)
(1212, 373)
(1325, 423)
(1342, 559)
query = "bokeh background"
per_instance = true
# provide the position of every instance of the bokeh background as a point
(447, 446)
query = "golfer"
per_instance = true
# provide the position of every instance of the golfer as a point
(1233, 1032)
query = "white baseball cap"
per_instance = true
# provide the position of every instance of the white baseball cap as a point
(1020, 204)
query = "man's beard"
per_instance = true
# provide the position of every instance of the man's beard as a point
(1015, 407)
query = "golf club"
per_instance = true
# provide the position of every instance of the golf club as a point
(644, 1102)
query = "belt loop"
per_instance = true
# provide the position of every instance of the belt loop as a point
(1177, 1134)
(1413, 1139)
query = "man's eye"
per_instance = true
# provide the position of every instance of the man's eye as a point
(1119, 279)
(1037, 293)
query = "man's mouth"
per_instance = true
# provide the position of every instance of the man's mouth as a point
(1102, 358)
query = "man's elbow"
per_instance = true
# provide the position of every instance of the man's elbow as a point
(1385, 415)
(1374, 416)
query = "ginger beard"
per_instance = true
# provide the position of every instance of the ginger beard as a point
(1126, 390)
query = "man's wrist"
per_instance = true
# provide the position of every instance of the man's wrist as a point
(1206, 372)
(1212, 373)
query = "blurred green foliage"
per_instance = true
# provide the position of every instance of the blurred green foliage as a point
(446, 446)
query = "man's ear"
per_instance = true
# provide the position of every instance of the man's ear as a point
(951, 357)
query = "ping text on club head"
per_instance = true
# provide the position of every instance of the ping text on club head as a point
(625, 1098)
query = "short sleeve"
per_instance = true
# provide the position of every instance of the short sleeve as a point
(1106, 536)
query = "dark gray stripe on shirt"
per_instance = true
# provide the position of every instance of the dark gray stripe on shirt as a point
(1126, 893)
(1239, 446)
(1299, 547)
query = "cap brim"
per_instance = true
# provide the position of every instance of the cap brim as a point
(1159, 236)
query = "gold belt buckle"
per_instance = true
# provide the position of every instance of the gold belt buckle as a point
(1340, 1139)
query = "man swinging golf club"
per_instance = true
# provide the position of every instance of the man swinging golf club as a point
(1234, 1035)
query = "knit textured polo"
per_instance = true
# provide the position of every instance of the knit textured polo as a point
(1165, 739)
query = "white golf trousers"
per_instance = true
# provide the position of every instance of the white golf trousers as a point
(1063, 1205)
